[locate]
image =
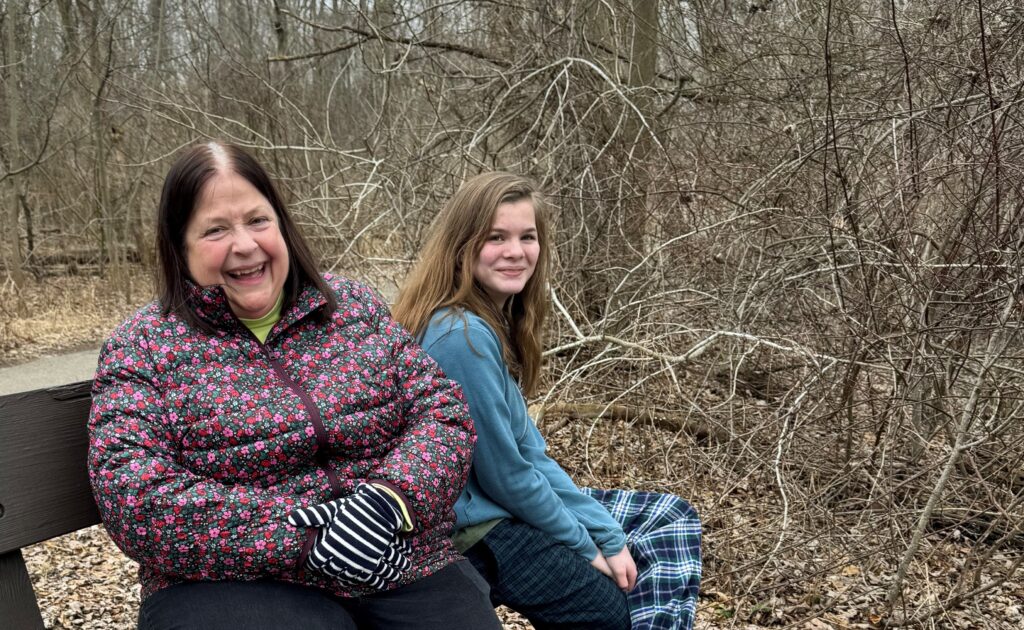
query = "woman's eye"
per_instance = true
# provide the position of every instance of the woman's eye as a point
(213, 231)
(259, 220)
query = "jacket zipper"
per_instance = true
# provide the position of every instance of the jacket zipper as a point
(321, 441)
(314, 417)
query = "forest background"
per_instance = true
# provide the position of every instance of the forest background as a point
(789, 238)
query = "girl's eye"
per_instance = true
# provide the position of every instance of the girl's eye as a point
(494, 237)
(529, 237)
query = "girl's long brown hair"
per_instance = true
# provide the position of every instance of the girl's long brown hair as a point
(443, 275)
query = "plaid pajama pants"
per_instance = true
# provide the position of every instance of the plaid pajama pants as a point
(663, 536)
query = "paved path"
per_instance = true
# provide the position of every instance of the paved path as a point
(76, 366)
(49, 371)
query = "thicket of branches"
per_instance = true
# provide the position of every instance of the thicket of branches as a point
(789, 229)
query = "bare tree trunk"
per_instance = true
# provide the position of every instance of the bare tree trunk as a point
(624, 38)
(68, 23)
(280, 32)
(13, 258)
(30, 239)
(160, 49)
(101, 52)
(642, 68)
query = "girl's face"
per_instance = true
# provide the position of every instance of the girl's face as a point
(509, 255)
(233, 239)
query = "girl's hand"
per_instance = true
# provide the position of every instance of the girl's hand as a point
(601, 564)
(622, 569)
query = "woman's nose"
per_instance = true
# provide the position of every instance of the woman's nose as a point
(243, 242)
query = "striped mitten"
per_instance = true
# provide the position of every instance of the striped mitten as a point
(358, 541)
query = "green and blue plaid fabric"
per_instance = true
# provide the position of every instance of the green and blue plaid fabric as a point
(663, 535)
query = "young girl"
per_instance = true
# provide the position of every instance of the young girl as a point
(562, 556)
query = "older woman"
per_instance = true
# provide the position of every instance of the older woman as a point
(266, 442)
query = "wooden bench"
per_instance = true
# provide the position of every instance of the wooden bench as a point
(44, 486)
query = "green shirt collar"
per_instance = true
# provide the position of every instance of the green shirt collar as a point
(261, 326)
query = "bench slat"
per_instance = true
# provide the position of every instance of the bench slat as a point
(44, 486)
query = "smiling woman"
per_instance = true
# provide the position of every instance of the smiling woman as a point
(265, 441)
(222, 223)
(508, 257)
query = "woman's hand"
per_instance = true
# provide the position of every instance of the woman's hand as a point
(622, 569)
(358, 540)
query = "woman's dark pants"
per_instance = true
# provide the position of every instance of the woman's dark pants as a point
(454, 597)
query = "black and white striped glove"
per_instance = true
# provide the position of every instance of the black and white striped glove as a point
(358, 540)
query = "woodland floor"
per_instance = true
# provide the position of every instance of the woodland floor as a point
(83, 581)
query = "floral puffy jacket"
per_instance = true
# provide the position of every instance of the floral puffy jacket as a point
(201, 444)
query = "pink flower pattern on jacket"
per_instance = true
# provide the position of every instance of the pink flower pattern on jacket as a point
(201, 444)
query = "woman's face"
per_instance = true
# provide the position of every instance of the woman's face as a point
(233, 239)
(509, 255)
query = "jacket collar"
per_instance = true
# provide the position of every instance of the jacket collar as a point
(210, 304)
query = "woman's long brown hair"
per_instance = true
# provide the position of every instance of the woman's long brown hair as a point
(443, 275)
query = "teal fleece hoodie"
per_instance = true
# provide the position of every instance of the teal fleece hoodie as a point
(511, 474)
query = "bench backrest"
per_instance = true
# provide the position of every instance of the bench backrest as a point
(44, 486)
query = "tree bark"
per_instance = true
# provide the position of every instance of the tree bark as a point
(13, 58)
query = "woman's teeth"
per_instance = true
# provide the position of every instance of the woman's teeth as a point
(246, 273)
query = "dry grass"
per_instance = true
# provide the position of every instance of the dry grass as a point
(64, 313)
